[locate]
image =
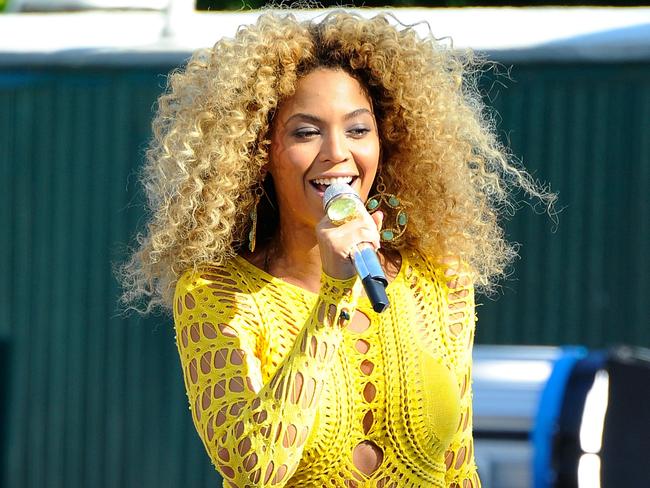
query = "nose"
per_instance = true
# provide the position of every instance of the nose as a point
(335, 148)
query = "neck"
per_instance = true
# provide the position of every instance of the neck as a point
(294, 256)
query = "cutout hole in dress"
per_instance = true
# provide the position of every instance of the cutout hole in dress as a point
(359, 322)
(367, 457)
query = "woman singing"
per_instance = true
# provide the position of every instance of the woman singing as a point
(293, 379)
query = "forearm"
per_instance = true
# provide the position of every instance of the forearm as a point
(258, 434)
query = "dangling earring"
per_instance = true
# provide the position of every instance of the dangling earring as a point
(252, 234)
(394, 212)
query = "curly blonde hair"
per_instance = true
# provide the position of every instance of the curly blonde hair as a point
(211, 137)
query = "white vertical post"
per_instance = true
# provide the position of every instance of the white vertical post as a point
(176, 13)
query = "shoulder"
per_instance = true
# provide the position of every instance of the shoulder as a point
(451, 271)
(207, 282)
(210, 273)
(453, 287)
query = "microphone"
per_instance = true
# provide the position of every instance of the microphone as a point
(343, 204)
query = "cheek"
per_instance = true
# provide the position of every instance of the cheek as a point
(296, 160)
(368, 149)
(368, 157)
(289, 170)
(297, 155)
(289, 161)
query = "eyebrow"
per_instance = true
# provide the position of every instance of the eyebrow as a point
(315, 119)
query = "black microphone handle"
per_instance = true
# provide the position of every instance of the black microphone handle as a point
(376, 291)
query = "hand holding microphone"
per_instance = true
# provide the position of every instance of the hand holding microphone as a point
(342, 205)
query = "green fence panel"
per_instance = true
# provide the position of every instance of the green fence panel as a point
(584, 129)
(95, 399)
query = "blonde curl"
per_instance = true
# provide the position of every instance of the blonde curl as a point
(211, 141)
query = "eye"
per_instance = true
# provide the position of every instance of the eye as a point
(358, 132)
(306, 133)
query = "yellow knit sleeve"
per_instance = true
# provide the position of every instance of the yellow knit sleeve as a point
(459, 327)
(254, 433)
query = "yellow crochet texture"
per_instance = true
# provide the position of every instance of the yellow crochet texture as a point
(283, 388)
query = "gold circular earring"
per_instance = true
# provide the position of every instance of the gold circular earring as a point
(395, 215)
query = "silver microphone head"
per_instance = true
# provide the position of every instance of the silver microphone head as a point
(336, 190)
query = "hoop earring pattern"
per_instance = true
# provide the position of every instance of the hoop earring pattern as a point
(396, 216)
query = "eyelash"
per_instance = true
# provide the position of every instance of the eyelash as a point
(306, 133)
(359, 131)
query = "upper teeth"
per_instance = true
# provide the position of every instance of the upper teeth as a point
(331, 181)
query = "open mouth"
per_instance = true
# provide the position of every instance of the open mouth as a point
(321, 184)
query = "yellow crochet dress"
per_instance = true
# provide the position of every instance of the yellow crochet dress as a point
(284, 387)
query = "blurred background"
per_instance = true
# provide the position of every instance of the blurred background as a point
(90, 398)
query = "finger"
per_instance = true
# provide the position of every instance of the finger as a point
(371, 236)
(325, 223)
(378, 218)
(354, 232)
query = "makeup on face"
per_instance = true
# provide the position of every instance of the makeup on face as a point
(325, 133)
